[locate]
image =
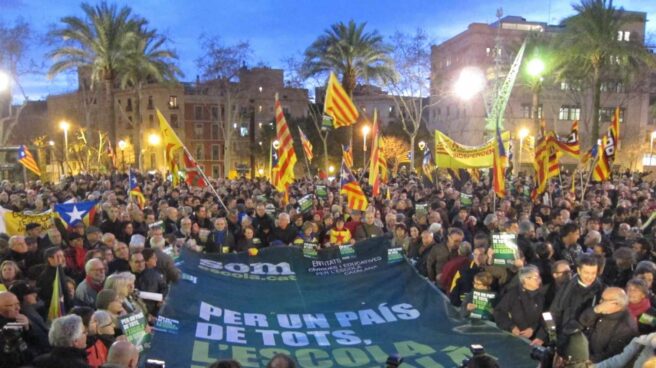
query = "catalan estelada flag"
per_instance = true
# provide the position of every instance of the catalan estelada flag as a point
(355, 197)
(338, 104)
(135, 190)
(615, 127)
(601, 170)
(307, 146)
(499, 167)
(26, 159)
(286, 153)
(427, 164)
(347, 156)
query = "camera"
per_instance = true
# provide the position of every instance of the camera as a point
(12, 334)
(476, 350)
(544, 355)
(393, 361)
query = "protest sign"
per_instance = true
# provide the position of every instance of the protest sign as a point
(483, 301)
(134, 328)
(324, 312)
(505, 249)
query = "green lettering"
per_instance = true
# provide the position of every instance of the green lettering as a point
(457, 353)
(246, 356)
(350, 357)
(409, 349)
(201, 352)
(313, 358)
(428, 362)
(377, 353)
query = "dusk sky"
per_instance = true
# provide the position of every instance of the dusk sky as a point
(279, 29)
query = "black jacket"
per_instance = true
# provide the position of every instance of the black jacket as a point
(118, 265)
(62, 357)
(572, 299)
(263, 227)
(45, 282)
(114, 227)
(520, 308)
(10, 354)
(286, 235)
(608, 334)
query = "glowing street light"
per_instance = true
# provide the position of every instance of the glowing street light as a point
(122, 145)
(365, 132)
(260, 171)
(471, 81)
(422, 145)
(535, 68)
(51, 143)
(331, 169)
(154, 139)
(5, 81)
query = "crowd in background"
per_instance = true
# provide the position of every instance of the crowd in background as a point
(587, 258)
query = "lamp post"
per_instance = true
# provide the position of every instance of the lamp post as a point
(64, 125)
(154, 140)
(651, 148)
(274, 145)
(121, 146)
(535, 69)
(365, 132)
(523, 133)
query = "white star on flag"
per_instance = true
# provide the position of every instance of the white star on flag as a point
(75, 215)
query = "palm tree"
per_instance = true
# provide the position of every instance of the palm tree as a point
(589, 49)
(349, 51)
(147, 61)
(100, 42)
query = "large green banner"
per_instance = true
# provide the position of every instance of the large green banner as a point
(328, 310)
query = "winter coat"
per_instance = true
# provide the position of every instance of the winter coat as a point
(520, 308)
(608, 334)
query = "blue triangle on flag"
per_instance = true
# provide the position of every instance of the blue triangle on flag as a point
(72, 213)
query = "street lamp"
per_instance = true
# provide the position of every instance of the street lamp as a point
(121, 146)
(64, 125)
(651, 148)
(523, 133)
(365, 131)
(154, 140)
(535, 69)
(470, 82)
(422, 145)
(4, 81)
(331, 169)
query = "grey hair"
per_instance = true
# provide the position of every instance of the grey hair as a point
(526, 271)
(89, 264)
(525, 227)
(102, 317)
(283, 214)
(464, 249)
(15, 239)
(65, 330)
(157, 242)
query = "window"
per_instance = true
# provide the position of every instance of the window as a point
(151, 121)
(526, 111)
(215, 171)
(215, 152)
(150, 103)
(173, 102)
(200, 152)
(624, 36)
(215, 113)
(391, 111)
(174, 120)
(215, 131)
(259, 108)
(564, 86)
(285, 111)
(569, 113)
(198, 112)
(129, 106)
(606, 114)
(198, 130)
(243, 131)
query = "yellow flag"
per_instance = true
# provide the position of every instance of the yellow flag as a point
(172, 146)
(57, 299)
(338, 104)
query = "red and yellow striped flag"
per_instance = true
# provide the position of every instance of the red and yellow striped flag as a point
(615, 127)
(570, 145)
(286, 153)
(26, 159)
(355, 197)
(307, 146)
(377, 164)
(347, 156)
(602, 168)
(338, 104)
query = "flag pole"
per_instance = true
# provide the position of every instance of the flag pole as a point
(207, 180)
(594, 164)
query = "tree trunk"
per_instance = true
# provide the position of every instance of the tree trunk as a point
(596, 102)
(109, 102)
(139, 125)
(325, 152)
(412, 150)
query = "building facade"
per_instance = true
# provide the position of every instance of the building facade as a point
(560, 103)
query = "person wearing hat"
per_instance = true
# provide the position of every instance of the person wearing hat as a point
(29, 301)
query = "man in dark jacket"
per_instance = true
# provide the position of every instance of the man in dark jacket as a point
(220, 237)
(609, 324)
(111, 224)
(520, 309)
(148, 279)
(367, 229)
(55, 260)
(444, 252)
(262, 223)
(27, 295)
(582, 291)
(422, 252)
(68, 339)
(11, 354)
(283, 231)
(566, 246)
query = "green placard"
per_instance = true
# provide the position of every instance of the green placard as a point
(305, 203)
(327, 122)
(483, 301)
(134, 328)
(505, 249)
(466, 199)
(421, 208)
(321, 191)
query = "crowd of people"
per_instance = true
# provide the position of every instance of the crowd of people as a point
(587, 258)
